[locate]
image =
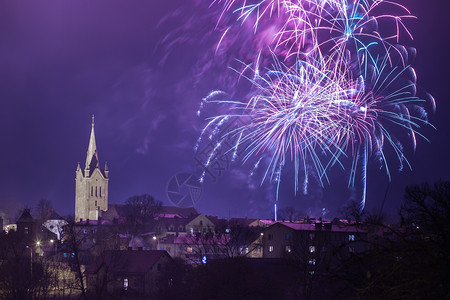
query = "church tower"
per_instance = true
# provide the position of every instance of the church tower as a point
(91, 185)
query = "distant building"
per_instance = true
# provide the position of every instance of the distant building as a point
(55, 224)
(91, 192)
(313, 240)
(137, 273)
(27, 226)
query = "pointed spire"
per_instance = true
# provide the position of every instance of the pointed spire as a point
(106, 170)
(92, 157)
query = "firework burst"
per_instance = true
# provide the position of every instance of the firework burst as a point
(338, 98)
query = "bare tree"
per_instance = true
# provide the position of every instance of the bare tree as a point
(43, 208)
(140, 212)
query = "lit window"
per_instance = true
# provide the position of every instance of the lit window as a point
(351, 237)
(240, 250)
(227, 230)
(162, 248)
(270, 248)
(288, 236)
(288, 249)
(311, 236)
(189, 249)
(125, 284)
(312, 249)
(192, 230)
(246, 251)
(312, 261)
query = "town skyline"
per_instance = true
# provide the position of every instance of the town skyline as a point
(62, 63)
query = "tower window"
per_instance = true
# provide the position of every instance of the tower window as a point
(92, 191)
(95, 191)
(100, 191)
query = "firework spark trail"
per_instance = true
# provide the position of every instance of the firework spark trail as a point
(348, 85)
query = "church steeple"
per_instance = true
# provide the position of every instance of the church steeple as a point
(91, 187)
(92, 156)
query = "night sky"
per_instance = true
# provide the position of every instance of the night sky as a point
(142, 67)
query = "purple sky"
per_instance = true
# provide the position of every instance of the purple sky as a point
(142, 67)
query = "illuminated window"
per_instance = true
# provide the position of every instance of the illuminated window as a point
(351, 237)
(191, 230)
(125, 284)
(189, 249)
(240, 250)
(246, 251)
(288, 249)
(312, 261)
(270, 248)
(311, 236)
(288, 236)
(312, 249)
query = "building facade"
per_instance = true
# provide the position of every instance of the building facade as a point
(91, 185)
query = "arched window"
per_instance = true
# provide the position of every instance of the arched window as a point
(92, 191)
(100, 191)
(95, 191)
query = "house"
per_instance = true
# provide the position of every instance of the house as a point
(55, 224)
(195, 223)
(137, 273)
(193, 247)
(310, 241)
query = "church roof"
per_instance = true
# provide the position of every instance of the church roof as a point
(92, 156)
